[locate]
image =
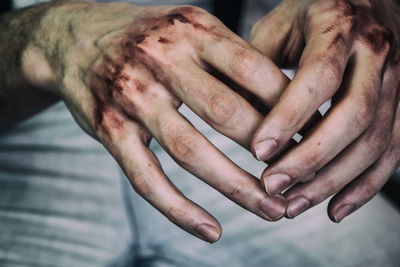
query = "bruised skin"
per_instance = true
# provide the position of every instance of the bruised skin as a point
(350, 55)
(108, 78)
(375, 35)
(124, 70)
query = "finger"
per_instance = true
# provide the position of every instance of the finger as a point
(277, 36)
(124, 140)
(215, 103)
(354, 113)
(247, 66)
(196, 154)
(364, 188)
(367, 185)
(152, 104)
(320, 72)
(349, 164)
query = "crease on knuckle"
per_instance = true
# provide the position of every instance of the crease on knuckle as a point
(364, 116)
(175, 213)
(332, 68)
(369, 189)
(377, 140)
(141, 184)
(223, 109)
(311, 160)
(290, 119)
(366, 109)
(244, 63)
(183, 146)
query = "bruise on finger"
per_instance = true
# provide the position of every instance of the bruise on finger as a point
(377, 38)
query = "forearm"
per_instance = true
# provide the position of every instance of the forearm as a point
(26, 77)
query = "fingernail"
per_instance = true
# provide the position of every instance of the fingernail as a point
(264, 149)
(276, 183)
(343, 211)
(273, 207)
(297, 206)
(207, 232)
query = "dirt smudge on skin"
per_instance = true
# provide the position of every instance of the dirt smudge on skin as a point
(140, 38)
(163, 40)
(177, 16)
(140, 87)
(377, 39)
(338, 38)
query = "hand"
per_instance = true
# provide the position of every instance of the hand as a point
(123, 71)
(347, 51)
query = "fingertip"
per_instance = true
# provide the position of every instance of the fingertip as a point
(208, 232)
(276, 183)
(274, 208)
(265, 148)
(342, 212)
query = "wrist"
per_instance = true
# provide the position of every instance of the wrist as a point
(41, 59)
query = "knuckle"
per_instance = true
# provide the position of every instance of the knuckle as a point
(108, 123)
(183, 147)
(364, 116)
(365, 113)
(369, 189)
(290, 119)
(377, 140)
(223, 109)
(244, 63)
(311, 159)
(141, 184)
(332, 68)
(175, 213)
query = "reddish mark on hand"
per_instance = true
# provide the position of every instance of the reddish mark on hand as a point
(377, 39)
(338, 38)
(140, 38)
(119, 82)
(139, 86)
(177, 16)
(199, 26)
(350, 9)
(154, 28)
(163, 40)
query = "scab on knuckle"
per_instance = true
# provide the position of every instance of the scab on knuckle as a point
(223, 109)
(110, 124)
